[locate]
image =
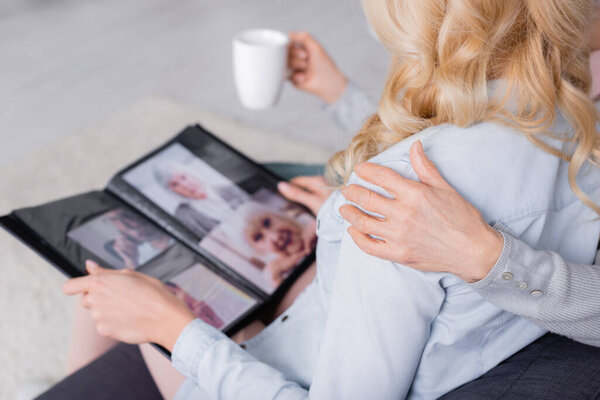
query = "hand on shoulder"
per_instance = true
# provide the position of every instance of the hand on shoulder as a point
(427, 225)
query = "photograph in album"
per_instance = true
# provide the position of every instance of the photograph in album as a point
(187, 188)
(122, 238)
(208, 296)
(263, 239)
(196, 214)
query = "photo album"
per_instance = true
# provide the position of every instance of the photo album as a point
(195, 214)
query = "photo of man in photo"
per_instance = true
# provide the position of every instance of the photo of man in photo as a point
(202, 206)
(187, 188)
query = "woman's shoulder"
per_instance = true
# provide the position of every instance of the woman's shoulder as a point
(493, 166)
(454, 143)
(481, 151)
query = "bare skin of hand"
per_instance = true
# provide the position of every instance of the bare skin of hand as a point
(129, 306)
(310, 191)
(427, 225)
(313, 70)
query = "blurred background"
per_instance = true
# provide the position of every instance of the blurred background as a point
(67, 64)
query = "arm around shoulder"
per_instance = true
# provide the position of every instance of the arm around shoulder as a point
(541, 286)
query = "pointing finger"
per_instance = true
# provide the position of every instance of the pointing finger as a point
(387, 178)
(298, 195)
(94, 269)
(315, 183)
(363, 222)
(76, 285)
(369, 245)
(424, 168)
(366, 199)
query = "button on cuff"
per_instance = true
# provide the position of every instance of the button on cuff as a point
(494, 276)
(507, 276)
(521, 285)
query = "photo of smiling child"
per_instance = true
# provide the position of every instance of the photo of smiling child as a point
(264, 239)
(261, 236)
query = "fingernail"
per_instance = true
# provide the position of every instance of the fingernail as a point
(283, 186)
(91, 264)
(344, 191)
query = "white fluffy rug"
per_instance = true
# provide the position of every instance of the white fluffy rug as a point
(34, 314)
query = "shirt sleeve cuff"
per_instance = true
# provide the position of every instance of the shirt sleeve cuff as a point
(503, 261)
(191, 345)
(352, 108)
(348, 93)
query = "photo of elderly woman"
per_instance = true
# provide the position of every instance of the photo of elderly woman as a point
(209, 297)
(187, 188)
(264, 239)
(122, 238)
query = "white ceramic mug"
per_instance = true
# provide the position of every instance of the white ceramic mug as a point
(260, 66)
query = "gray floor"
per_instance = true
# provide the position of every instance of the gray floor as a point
(66, 64)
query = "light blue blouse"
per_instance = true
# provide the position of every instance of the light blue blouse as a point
(372, 329)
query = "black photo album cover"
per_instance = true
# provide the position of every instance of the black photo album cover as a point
(196, 214)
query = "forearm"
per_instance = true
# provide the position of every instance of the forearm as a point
(225, 371)
(352, 109)
(540, 286)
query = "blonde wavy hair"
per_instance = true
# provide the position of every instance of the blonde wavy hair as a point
(444, 53)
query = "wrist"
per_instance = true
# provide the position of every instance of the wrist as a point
(486, 253)
(336, 88)
(171, 326)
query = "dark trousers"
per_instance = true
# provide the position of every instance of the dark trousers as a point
(552, 368)
(119, 374)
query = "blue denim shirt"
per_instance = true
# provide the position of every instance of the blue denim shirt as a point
(369, 328)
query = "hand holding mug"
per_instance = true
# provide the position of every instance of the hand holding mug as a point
(313, 70)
